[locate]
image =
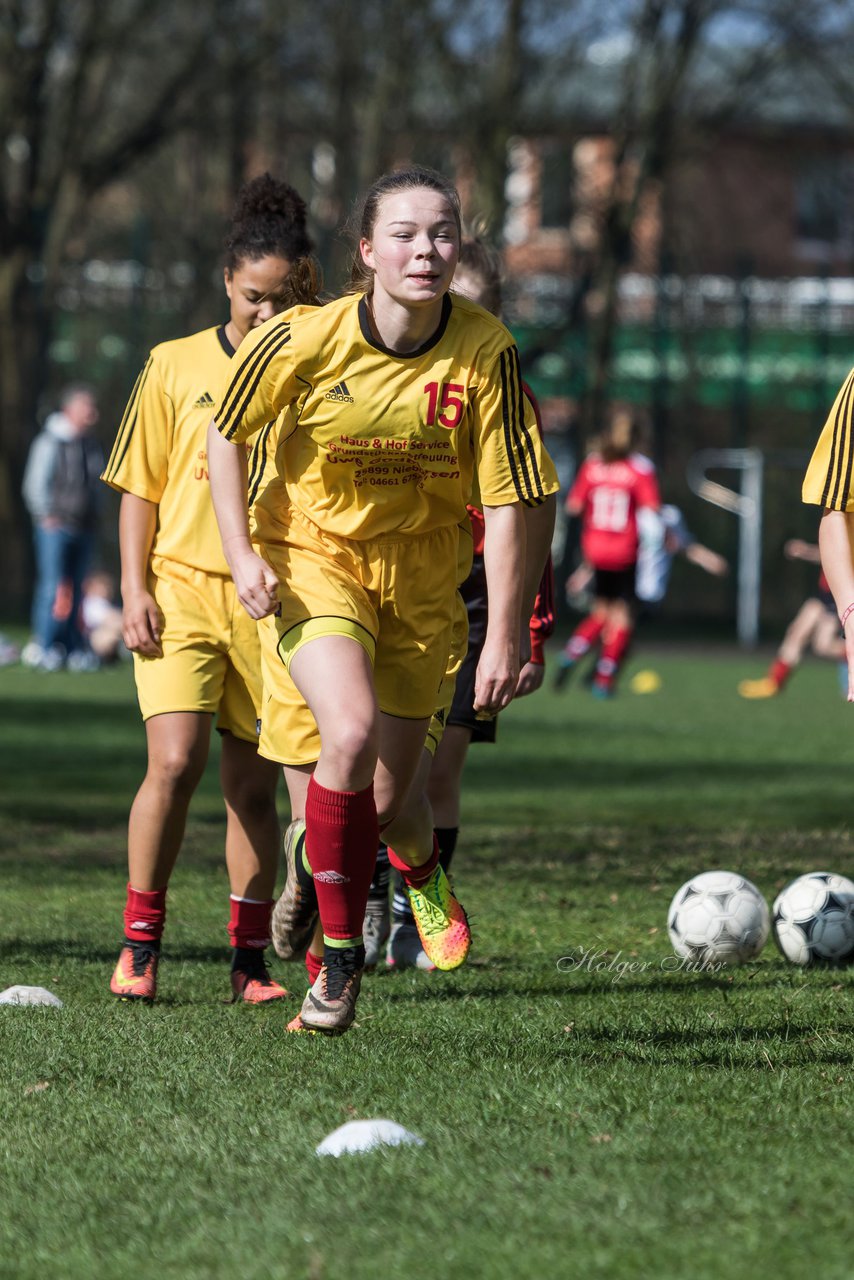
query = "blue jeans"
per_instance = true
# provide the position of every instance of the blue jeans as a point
(62, 555)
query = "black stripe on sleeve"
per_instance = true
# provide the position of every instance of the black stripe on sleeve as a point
(508, 444)
(840, 450)
(128, 423)
(245, 382)
(227, 406)
(529, 455)
(258, 460)
(517, 439)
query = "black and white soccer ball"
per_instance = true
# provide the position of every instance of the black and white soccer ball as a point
(813, 919)
(718, 918)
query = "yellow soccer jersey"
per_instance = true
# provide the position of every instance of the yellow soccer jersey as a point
(160, 449)
(380, 443)
(828, 479)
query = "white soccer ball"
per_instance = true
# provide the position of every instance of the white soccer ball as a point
(813, 919)
(718, 917)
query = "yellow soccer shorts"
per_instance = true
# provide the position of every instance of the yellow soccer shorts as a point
(395, 597)
(288, 730)
(211, 652)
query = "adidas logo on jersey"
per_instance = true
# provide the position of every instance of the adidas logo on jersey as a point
(205, 401)
(341, 393)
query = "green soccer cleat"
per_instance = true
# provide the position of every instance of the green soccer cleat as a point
(442, 923)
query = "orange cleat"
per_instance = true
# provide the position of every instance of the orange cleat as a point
(251, 982)
(135, 975)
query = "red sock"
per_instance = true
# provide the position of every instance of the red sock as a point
(780, 672)
(584, 637)
(614, 649)
(416, 875)
(145, 914)
(313, 965)
(342, 835)
(249, 925)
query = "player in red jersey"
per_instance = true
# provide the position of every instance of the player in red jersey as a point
(615, 494)
(815, 626)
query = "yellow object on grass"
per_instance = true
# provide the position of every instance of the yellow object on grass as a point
(645, 682)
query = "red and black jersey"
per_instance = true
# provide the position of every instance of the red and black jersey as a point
(607, 496)
(542, 621)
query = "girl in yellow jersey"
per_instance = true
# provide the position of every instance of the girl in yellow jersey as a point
(196, 651)
(401, 401)
(828, 484)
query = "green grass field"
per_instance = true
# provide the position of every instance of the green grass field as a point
(581, 1119)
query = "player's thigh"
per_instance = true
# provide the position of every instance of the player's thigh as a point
(828, 641)
(810, 615)
(334, 675)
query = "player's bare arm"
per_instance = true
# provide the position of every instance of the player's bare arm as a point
(835, 546)
(257, 584)
(504, 560)
(798, 549)
(539, 528)
(141, 619)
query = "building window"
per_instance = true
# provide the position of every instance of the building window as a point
(824, 195)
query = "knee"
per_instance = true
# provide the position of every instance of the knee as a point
(177, 770)
(352, 745)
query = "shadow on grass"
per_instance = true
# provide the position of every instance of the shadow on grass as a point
(25, 950)
(73, 762)
(577, 774)
(714, 1046)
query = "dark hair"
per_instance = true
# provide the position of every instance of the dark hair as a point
(268, 219)
(364, 220)
(477, 256)
(303, 284)
(625, 432)
(73, 389)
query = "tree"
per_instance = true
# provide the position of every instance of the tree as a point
(87, 91)
(690, 69)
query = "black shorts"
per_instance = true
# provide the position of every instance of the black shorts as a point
(615, 584)
(473, 592)
(827, 600)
